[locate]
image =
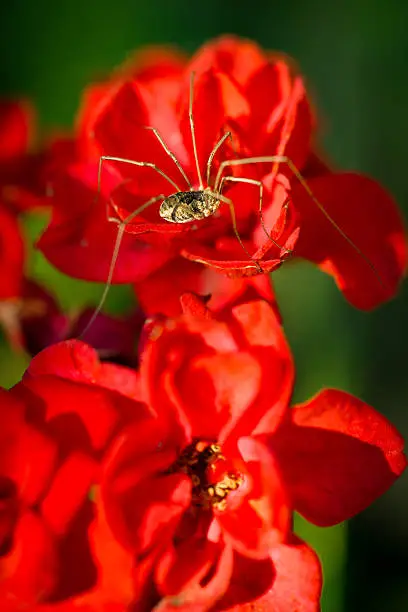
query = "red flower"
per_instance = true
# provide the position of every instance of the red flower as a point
(202, 465)
(262, 102)
(56, 424)
(22, 187)
(202, 494)
(42, 324)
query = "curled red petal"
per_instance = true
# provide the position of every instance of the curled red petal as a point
(368, 273)
(74, 360)
(296, 586)
(228, 256)
(337, 455)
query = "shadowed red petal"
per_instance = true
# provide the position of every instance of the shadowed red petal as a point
(28, 571)
(370, 218)
(337, 456)
(142, 499)
(189, 563)
(120, 131)
(181, 275)
(24, 450)
(197, 598)
(80, 241)
(69, 490)
(296, 586)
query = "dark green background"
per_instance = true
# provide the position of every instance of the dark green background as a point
(354, 56)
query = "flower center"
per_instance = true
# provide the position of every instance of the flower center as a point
(212, 475)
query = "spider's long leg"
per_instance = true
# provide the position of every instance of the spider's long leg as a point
(230, 203)
(282, 159)
(131, 162)
(119, 237)
(192, 128)
(170, 154)
(213, 152)
(237, 179)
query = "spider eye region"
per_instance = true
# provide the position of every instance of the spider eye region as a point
(187, 206)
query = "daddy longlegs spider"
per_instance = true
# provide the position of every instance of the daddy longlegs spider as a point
(197, 204)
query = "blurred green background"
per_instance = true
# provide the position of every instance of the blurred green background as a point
(354, 56)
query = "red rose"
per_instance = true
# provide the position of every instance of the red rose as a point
(56, 425)
(261, 100)
(202, 495)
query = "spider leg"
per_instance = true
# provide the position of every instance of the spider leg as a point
(131, 162)
(170, 154)
(282, 159)
(230, 203)
(213, 152)
(192, 128)
(236, 179)
(119, 237)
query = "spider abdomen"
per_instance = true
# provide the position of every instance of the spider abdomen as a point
(187, 206)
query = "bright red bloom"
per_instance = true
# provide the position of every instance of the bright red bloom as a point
(56, 424)
(202, 465)
(202, 494)
(262, 101)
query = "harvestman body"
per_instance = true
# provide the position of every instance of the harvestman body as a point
(197, 204)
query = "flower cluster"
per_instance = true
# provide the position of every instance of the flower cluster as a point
(157, 466)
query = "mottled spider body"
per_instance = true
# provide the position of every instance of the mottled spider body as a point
(187, 206)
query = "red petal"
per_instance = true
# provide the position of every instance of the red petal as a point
(256, 516)
(337, 456)
(297, 585)
(80, 241)
(237, 57)
(181, 275)
(82, 417)
(120, 131)
(262, 330)
(69, 490)
(11, 255)
(114, 563)
(24, 451)
(215, 101)
(188, 563)
(143, 501)
(228, 256)
(251, 578)
(29, 570)
(74, 360)
(15, 129)
(369, 217)
(197, 598)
